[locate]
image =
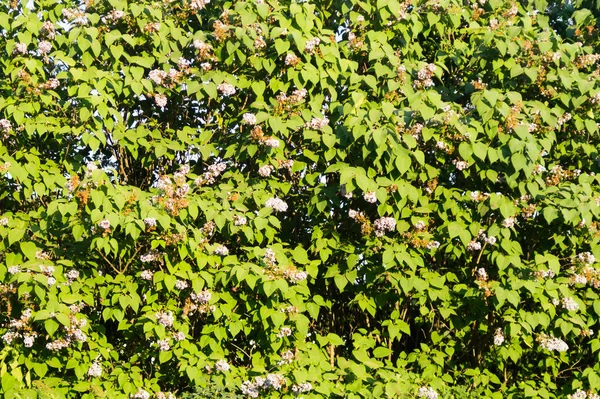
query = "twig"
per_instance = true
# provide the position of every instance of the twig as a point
(107, 261)
(243, 351)
(131, 259)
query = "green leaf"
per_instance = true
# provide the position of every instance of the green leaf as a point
(51, 326)
(29, 250)
(380, 352)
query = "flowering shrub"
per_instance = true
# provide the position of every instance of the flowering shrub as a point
(299, 199)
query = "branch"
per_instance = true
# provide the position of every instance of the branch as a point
(131, 259)
(107, 261)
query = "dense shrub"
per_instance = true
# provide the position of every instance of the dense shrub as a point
(279, 199)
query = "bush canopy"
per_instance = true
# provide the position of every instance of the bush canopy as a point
(314, 199)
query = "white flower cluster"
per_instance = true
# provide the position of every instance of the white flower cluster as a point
(158, 76)
(424, 77)
(569, 304)
(165, 318)
(491, 240)
(545, 274)
(210, 176)
(318, 123)
(249, 119)
(90, 168)
(563, 119)
(498, 337)
(296, 97)
(163, 345)
(433, 245)
(295, 276)
(383, 225)
(198, 4)
(271, 142)
(47, 271)
(303, 387)
(586, 275)
(265, 170)
(199, 301)
(586, 258)
(276, 204)
(222, 365)
(51, 84)
(479, 196)
(208, 229)
(5, 125)
(287, 357)
(289, 309)
(532, 127)
(259, 43)
(113, 16)
(95, 370)
(494, 24)
(291, 59)
(286, 164)
(482, 274)
(270, 258)
(76, 308)
(149, 257)
(311, 45)
(72, 275)
(181, 284)
(460, 165)
(20, 48)
(581, 394)
(370, 197)
(73, 334)
(253, 388)
(250, 388)
(420, 225)
(239, 220)
(75, 15)
(202, 47)
(427, 392)
(150, 222)
(221, 250)
(509, 222)
(539, 169)
(160, 100)
(165, 395)
(284, 332)
(104, 224)
(552, 343)
(15, 328)
(183, 63)
(512, 11)
(226, 89)
(202, 297)
(474, 246)
(146, 275)
(141, 394)
(44, 47)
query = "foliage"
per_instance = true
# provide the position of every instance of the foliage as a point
(277, 198)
